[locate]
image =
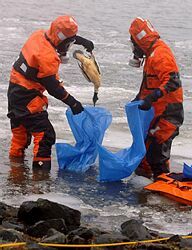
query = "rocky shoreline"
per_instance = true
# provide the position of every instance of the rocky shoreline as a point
(49, 222)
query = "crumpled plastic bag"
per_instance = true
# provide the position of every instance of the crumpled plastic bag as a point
(116, 166)
(88, 128)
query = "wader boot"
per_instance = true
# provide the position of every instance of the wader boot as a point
(159, 169)
(42, 164)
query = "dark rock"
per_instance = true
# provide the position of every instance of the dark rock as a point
(186, 244)
(156, 234)
(31, 212)
(41, 228)
(82, 232)
(97, 232)
(77, 240)
(7, 211)
(154, 246)
(112, 238)
(174, 238)
(134, 230)
(176, 241)
(13, 223)
(180, 242)
(51, 232)
(10, 235)
(53, 236)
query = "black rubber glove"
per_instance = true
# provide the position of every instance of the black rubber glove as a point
(75, 105)
(95, 98)
(77, 108)
(87, 44)
(148, 100)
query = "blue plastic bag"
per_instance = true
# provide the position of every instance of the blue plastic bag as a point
(187, 171)
(88, 128)
(116, 166)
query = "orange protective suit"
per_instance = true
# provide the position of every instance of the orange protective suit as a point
(160, 73)
(35, 71)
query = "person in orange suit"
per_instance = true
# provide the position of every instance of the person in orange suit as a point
(35, 71)
(161, 89)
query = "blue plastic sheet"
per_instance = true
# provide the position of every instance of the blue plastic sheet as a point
(116, 166)
(187, 171)
(88, 128)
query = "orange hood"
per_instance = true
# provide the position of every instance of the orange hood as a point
(143, 33)
(61, 28)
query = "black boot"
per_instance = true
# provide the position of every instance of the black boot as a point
(143, 171)
(159, 169)
(42, 165)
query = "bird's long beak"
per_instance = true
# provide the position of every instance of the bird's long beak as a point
(95, 98)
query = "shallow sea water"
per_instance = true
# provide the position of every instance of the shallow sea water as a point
(106, 205)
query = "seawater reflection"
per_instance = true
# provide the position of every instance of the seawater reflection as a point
(23, 180)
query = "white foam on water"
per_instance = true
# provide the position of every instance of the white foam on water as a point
(10, 19)
(181, 147)
(120, 120)
(118, 140)
(166, 216)
(61, 198)
(139, 182)
(187, 76)
(187, 44)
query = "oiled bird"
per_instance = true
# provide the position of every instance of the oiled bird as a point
(90, 70)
